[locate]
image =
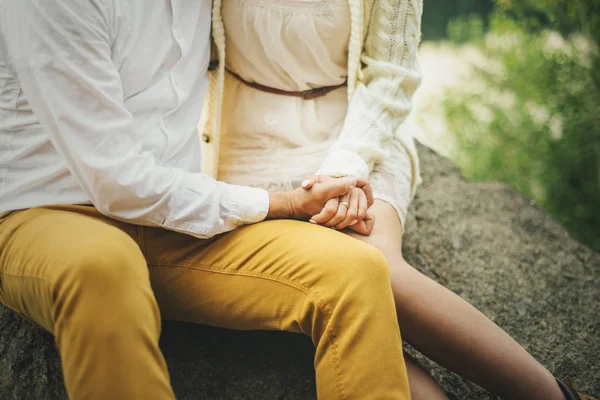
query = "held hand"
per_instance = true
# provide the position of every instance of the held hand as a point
(302, 204)
(343, 211)
(360, 222)
(346, 211)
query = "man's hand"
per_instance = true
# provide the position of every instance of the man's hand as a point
(302, 204)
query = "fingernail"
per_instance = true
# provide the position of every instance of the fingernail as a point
(352, 182)
(353, 222)
(312, 221)
(305, 183)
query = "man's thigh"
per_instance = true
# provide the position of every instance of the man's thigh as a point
(39, 245)
(262, 276)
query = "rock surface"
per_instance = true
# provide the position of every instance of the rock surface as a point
(484, 241)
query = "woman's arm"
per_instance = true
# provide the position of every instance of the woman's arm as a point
(387, 80)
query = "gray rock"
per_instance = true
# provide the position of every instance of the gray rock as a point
(484, 241)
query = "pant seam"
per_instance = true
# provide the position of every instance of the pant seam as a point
(275, 278)
(25, 276)
(331, 337)
(336, 363)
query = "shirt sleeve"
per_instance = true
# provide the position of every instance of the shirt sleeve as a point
(382, 99)
(60, 51)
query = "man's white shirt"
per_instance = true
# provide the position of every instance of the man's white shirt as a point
(99, 102)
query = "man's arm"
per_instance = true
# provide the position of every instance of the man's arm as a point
(60, 51)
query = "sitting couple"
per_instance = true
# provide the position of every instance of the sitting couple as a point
(115, 213)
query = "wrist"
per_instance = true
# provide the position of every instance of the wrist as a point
(280, 206)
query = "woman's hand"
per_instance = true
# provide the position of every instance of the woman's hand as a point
(347, 211)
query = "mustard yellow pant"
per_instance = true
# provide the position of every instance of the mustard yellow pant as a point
(100, 286)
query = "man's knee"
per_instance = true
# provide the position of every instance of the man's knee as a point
(367, 263)
(370, 272)
(333, 253)
(358, 269)
(108, 267)
(356, 291)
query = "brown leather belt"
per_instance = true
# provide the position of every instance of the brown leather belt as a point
(305, 95)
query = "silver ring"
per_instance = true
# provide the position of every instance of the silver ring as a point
(343, 203)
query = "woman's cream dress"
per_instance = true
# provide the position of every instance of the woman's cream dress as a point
(273, 141)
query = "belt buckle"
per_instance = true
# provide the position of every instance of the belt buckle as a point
(313, 93)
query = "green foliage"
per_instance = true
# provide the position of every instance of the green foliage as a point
(565, 16)
(465, 29)
(531, 115)
(438, 14)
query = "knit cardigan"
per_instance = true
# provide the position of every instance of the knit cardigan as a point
(383, 74)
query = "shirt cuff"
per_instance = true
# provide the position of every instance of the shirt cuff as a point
(247, 205)
(343, 163)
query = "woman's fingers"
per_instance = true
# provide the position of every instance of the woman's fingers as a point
(363, 206)
(340, 214)
(352, 209)
(369, 224)
(328, 211)
(364, 227)
(366, 187)
(369, 194)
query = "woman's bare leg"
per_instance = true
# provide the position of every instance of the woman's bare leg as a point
(450, 331)
(422, 385)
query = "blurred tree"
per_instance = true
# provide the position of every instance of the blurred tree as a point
(531, 116)
(566, 16)
(439, 13)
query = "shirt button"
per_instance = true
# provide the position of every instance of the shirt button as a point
(213, 64)
(205, 138)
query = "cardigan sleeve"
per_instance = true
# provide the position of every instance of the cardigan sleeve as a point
(382, 99)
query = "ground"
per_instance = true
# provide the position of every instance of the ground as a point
(486, 242)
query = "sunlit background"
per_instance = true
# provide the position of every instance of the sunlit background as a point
(511, 93)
